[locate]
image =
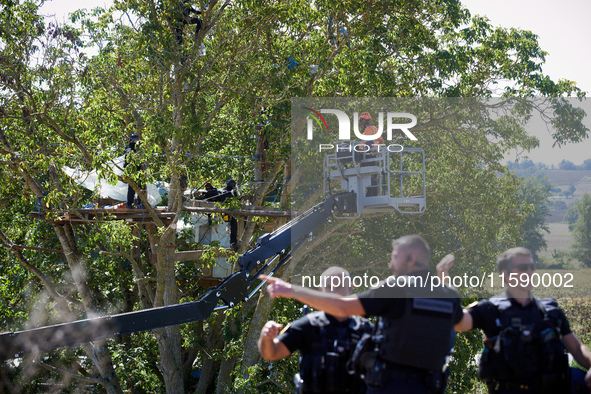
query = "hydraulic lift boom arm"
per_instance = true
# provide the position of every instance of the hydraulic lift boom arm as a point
(231, 291)
(380, 182)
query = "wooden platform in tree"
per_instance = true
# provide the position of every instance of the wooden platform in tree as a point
(142, 216)
(92, 215)
(135, 216)
(246, 210)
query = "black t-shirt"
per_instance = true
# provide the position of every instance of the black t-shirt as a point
(210, 193)
(131, 147)
(225, 194)
(301, 335)
(486, 316)
(390, 301)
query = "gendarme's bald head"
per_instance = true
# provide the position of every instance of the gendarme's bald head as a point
(336, 280)
(417, 245)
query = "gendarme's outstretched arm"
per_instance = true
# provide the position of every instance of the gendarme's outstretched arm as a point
(332, 304)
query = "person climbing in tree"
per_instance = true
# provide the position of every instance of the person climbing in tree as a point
(130, 150)
(184, 18)
(230, 192)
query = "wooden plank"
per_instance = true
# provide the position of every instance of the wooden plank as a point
(191, 255)
(210, 282)
(241, 212)
(93, 215)
(142, 215)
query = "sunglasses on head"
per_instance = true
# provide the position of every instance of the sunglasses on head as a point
(524, 267)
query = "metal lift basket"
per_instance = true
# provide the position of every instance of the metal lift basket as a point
(384, 178)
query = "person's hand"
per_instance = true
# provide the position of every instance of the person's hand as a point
(277, 287)
(445, 265)
(271, 330)
(588, 379)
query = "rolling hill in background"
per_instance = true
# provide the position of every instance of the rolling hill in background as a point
(563, 179)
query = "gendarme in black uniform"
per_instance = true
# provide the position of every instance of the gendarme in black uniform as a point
(523, 351)
(326, 344)
(414, 335)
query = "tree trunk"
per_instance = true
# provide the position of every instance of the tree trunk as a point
(169, 338)
(98, 351)
(207, 374)
(169, 344)
(189, 357)
(251, 354)
(210, 365)
(225, 375)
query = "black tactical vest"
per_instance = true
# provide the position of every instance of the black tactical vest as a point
(529, 352)
(423, 336)
(323, 369)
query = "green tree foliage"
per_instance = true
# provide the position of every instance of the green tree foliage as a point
(215, 105)
(566, 165)
(570, 191)
(571, 216)
(581, 247)
(533, 194)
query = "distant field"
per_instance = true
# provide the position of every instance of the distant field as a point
(558, 239)
(566, 177)
(556, 216)
(583, 186)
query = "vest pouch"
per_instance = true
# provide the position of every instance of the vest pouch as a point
(551, 349)
(493, 364)
(335, 371)
(435, 382)
(527, 333)
(512, 362)
(486, 366)
(312, 373)
(375, 370)
(554, 383)
(299, 383)
(365, 345)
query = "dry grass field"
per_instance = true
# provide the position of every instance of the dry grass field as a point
(559, 238)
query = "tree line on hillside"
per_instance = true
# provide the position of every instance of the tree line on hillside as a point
(528, 169)
(528, 164)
